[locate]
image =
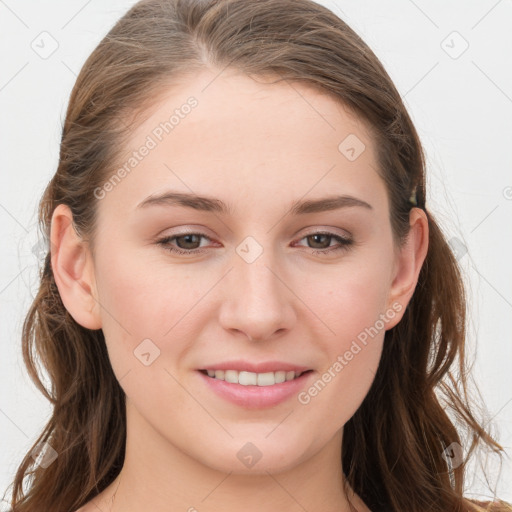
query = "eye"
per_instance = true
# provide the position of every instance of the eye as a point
(188, 243)
(324, 247)
(184, 241)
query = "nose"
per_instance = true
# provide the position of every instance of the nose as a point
(257, 299)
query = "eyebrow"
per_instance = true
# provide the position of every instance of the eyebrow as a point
(211, 204)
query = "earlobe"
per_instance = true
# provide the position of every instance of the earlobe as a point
(73, 269)
(409, 261)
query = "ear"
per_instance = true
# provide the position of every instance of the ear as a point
(73, 269)
(408, 262)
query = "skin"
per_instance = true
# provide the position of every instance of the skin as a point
(258, 147)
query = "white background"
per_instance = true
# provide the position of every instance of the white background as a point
(462, 108)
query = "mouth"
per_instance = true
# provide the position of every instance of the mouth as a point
(246, 378)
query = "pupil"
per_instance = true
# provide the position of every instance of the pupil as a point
(187, 237)
(318, 235)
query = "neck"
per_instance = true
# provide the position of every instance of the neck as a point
(158, 476)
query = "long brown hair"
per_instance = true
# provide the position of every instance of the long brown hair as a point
(393, 447)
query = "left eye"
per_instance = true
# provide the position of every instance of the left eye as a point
(343, 242)
(186, 240)
(190, 239)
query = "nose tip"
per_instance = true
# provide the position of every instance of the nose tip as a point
(256, 302)
(262, 335)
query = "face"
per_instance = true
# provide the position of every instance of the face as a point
(261, 277)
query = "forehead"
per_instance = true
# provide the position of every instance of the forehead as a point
(226, 134)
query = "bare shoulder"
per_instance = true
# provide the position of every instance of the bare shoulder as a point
(90, 506)
(493, 506)
(100, 502)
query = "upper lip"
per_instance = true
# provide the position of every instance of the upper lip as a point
(263, 367)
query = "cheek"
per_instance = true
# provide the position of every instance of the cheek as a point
(141, 301)
(341, 386)
(353, 309)
(140, 296)
(352, 348)
(145, 313)
(350, 299)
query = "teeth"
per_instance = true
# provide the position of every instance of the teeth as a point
(253, 379)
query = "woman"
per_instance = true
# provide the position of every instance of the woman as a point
(247, 301)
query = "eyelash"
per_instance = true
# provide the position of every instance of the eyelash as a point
(345, 243)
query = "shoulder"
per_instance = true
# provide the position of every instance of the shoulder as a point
(492, 506)
(84, 508)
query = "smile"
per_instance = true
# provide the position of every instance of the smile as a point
(253, 379)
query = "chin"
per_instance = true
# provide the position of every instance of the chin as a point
(257, 455)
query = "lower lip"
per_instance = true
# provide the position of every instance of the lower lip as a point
(256, 397)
